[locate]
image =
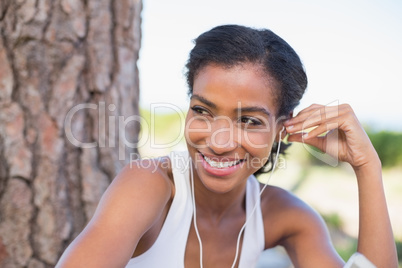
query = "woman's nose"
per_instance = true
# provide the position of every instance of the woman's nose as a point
(223, 136)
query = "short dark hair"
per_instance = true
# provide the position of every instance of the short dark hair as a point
(231, 45)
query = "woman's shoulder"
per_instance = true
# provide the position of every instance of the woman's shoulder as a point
(278, 201)
(150, 167)
(140, 180)
(146, 172)
(287, 214)
(136, 199)
(277, 198)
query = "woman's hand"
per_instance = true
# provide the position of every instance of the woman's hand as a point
(344, 138)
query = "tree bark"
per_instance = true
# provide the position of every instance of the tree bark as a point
(68, 86)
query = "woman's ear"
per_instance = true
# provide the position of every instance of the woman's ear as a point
(281, 128)
(281, 133)
(290, 115)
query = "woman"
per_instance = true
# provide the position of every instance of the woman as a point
(190, 209)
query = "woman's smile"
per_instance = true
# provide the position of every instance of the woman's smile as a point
(222, 162)
(220, 166)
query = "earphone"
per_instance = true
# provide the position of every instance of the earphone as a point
(252, 211)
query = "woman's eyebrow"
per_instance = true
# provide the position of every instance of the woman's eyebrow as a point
(253, 109)
(203, 100)
(249, 109)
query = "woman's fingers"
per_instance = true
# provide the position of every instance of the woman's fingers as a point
(335, 130)
(318, 142)
(314, 116)
(324, 128)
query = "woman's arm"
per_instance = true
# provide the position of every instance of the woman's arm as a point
(293, 224)
(376, 240)
(132, 203)
(346, 140)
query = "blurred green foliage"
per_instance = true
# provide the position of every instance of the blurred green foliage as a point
(333, 220)
(388, 146)
(161, 121)
(399, 251)
(164, 125)
(344, 244)
(347, 251)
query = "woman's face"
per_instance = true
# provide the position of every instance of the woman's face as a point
(230, 126)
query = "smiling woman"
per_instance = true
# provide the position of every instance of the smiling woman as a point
(204, 207)
(230, 120)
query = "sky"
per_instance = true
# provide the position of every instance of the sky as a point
(351, 49)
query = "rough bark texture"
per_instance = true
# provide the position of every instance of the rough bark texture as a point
(55, 55)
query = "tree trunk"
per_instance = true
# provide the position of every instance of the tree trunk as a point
(68, 86)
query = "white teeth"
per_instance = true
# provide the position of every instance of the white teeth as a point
(220, 164)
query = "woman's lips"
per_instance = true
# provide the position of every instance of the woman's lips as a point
(221, 166)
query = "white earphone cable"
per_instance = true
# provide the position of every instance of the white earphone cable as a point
(194, 213)
(255, 206)
(247, 219)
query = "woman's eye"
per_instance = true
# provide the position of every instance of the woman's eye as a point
(250, 121)
(199, 110)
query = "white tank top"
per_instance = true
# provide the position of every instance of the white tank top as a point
(169, 248)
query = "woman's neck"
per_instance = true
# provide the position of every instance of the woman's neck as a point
(217, 206)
